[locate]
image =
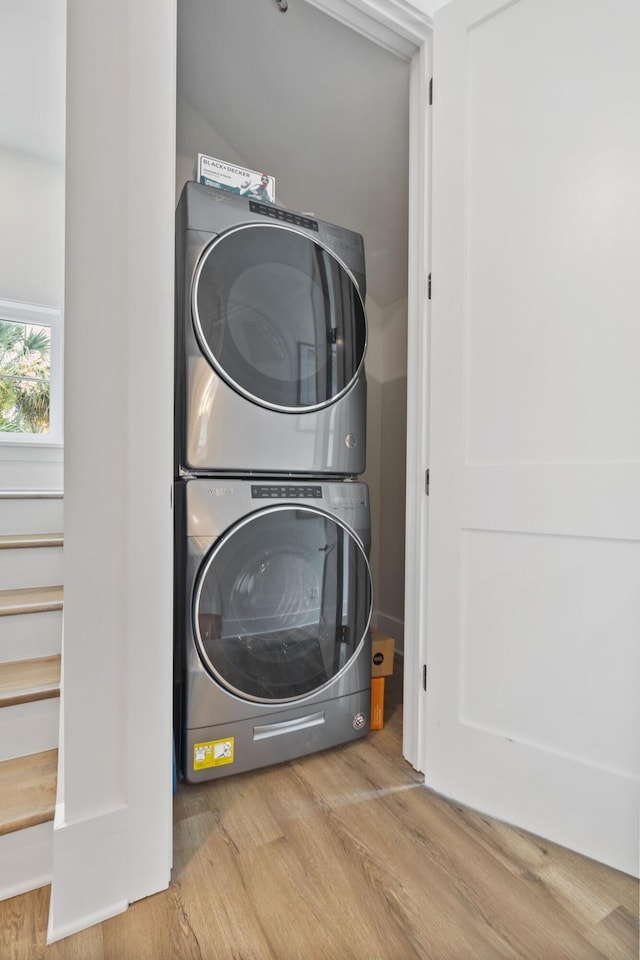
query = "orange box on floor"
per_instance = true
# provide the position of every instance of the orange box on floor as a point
(377, 703)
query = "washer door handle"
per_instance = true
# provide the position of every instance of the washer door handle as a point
(288, 726)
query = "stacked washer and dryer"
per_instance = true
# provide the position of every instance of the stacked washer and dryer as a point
(272, 528)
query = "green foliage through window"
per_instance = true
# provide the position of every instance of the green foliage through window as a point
(25, 374)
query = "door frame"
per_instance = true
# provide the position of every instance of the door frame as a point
(113, 809)
(398, 26)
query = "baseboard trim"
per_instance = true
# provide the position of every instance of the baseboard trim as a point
(26, 859)
(89, 871)
(17, 889)
(88, 920)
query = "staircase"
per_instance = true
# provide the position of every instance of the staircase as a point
(30, 647)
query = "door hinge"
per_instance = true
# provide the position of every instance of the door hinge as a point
(424, 676)
(426, 482)
(429, 287)
(430, 91)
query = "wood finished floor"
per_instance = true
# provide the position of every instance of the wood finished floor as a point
(345, 856)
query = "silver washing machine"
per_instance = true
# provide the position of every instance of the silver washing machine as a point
(272, 621)
(271, 336)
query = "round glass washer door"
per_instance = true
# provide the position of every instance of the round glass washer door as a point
(279, 317)
(282, 604)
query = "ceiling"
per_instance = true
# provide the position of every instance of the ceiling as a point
(325, 111)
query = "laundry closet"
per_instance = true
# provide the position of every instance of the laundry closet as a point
(328, 120)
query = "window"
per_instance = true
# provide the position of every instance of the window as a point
(30, 373)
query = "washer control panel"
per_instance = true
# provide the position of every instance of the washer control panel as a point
(272, 491)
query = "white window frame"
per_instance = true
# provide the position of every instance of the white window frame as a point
(40, 315)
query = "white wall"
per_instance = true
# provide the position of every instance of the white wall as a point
(32, 71)
(31, 228)
(112, 836)
(386, 460)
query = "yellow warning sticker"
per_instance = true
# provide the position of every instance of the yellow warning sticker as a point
(212, 754)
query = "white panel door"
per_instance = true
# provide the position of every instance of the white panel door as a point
(533, 601)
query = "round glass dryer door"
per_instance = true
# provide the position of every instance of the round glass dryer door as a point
(279, 317)
(282, 604)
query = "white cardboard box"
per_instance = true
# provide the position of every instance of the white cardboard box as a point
(248, 183)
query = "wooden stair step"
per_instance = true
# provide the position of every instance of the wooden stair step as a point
(28, 791)
(30, 600)
(23, 681)
(31, 495)
(25, 540)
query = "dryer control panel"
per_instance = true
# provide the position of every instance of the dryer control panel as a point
(277, 213)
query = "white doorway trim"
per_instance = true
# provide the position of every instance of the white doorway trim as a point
(401, 28)
(113, 831)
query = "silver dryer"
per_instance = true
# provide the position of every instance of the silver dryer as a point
(271, 336)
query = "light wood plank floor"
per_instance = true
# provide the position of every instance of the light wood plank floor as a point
(346, 856)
